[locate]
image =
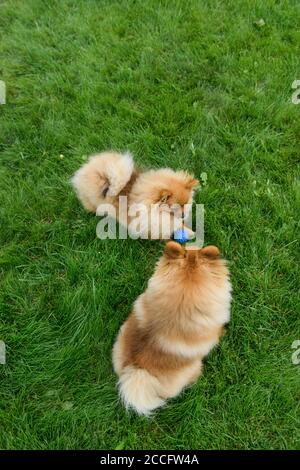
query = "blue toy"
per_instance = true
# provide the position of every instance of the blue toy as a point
(181, 235)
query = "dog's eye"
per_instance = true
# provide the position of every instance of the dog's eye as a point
(164, 199)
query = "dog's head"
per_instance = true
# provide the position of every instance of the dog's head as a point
(190, 271)
(174, 190)
(190, 256)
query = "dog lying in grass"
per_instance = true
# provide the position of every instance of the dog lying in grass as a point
(173, 326)
(105, 177)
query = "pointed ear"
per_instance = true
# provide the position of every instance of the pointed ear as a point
(174, 250)
(210, 251)
(164, 196)
(192, 183)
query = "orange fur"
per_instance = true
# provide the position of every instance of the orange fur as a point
(173, 325)
(109, 175)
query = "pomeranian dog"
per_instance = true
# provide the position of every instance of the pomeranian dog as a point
(173, 326)
(165, 194)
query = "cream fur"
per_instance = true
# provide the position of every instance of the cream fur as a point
(108, 168)
(140, 389)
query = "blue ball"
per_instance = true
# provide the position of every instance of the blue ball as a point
(181, 235)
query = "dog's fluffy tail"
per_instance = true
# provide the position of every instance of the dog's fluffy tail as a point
(105, 174)
(140, 390)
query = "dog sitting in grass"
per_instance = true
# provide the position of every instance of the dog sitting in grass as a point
(173, 326)
(164, 194)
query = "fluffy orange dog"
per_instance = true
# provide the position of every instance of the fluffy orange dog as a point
(173, 326)
(105, 177)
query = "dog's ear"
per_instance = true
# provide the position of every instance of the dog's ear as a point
(211, 251)
(164, 196)
(174, 250)
(192, 183)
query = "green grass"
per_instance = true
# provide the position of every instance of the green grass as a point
(195, 85)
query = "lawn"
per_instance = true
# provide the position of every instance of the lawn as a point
(203, 85)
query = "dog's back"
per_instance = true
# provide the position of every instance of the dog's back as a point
(174, 324)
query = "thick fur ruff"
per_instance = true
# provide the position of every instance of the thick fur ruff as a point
(107, 176)
(173, 326)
